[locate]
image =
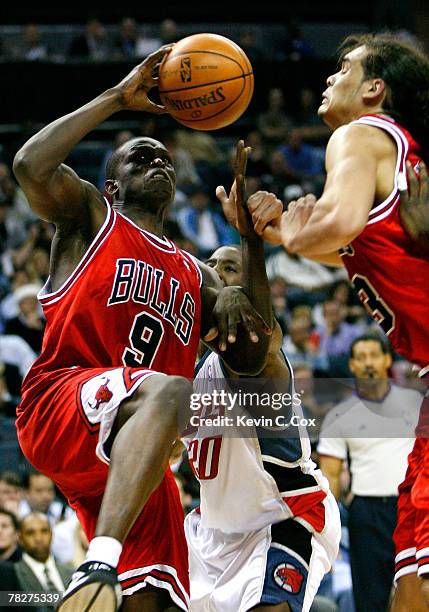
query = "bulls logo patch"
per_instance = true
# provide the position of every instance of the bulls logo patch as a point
(288, 577)
(102, 396)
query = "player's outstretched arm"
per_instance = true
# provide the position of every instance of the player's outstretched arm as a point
(54, 190)
(341, 213)
(244, 347)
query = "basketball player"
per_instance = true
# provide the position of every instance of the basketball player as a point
(378, 105)
(268, 528)
(125, 309)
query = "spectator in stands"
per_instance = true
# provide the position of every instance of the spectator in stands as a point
(295, 47)
(210, 162)
(301, 346)
(315, 401)
(273, 123)
(69, 543)
(257, 164)
(131, 44)
(169, 32)
(303, 162)
(8, 402)
(279, 175)
(248, 41)
(29, 324)
(336, 337)
(279, 301)
(8, 305)
(37, 570)
(11, 492)
(202, 224)
(373, 430)
(39, 235)
(40, 497)
(93, 44)
(17, 357)
(13, 211)
(308, 281)
(10, 550)
(312, 128)
(31, 46)
(186, 173)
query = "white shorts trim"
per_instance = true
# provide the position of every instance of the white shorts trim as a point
(157, 582)
(102, 409)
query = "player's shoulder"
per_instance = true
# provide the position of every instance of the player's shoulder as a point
(357, 136)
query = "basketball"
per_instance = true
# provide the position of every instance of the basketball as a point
(206, 82)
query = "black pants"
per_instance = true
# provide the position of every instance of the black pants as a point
(372, 521)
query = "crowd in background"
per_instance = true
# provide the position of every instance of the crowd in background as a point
(318, 311)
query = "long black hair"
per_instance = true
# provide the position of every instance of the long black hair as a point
(405, 71)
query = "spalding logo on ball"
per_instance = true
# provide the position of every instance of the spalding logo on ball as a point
(206, 82)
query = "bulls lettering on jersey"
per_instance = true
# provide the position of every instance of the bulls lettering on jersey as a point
(133, 300)
(385, 266)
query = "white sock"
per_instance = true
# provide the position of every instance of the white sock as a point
(105, 550)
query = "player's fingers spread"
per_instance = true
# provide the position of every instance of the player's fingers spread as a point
(310, 199)
(211, 334)
(233, 320)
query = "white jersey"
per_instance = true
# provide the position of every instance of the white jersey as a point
(248, 481)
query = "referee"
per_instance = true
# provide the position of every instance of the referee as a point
(371, 430)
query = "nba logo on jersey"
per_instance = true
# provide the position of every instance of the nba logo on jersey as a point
(288, 577)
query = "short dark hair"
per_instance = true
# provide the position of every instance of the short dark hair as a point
(112, 164)
(11, 478)
(370, 337)
(12, 517)
(405, 71)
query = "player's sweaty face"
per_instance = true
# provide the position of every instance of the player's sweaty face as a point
(146, 166)
(342, 99)
(226, 261)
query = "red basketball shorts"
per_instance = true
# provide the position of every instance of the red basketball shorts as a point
(62, 431)
(412, 531)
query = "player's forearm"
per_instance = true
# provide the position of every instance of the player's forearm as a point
(46, 150)
(254, 277)
(321, 235)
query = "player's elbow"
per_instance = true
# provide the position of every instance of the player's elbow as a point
(22, 164)
(27, 165)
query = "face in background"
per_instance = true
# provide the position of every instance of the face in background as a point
(368, 361)
(41, 493)
(342, 100)
(145, 174)
(8, 533)
(10, 495)
(226, 261)
(35, 536)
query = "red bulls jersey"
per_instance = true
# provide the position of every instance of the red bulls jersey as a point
(386, 267)
(133, 300)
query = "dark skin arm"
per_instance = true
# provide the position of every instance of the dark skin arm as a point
(414, 207)
(55, 192)
(248, 355)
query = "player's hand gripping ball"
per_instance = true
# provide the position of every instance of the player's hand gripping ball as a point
(206, 82)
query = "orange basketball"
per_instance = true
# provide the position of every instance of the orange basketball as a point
(206, 82)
